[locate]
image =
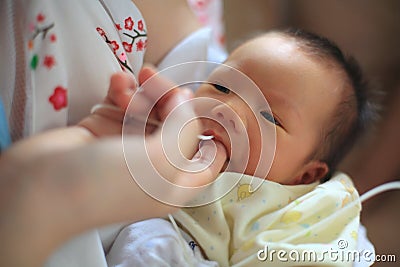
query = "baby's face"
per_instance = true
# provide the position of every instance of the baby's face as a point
(302, 94)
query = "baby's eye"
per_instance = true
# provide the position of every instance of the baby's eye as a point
(269, 117)
(221, 88)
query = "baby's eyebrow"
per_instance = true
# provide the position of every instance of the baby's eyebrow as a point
(288, 104)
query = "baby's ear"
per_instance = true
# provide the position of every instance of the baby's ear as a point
(313, 171)
(122, 87)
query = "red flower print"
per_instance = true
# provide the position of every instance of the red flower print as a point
(100, 31)
(53, 38)
(40, 17)
(140, 45)
(114, 45)
(140, 25)
(118, 26)
(49, 61)
(129, 23)
(122, 57)
(59, 98)
(127, 47)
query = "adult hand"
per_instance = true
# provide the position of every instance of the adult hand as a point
(50, 196)
(171, 160)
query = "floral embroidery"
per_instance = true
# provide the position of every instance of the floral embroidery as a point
(59, 98)
(30, 44)
(114, 46)
(43, 39)
(130, 36)
(129, 23)
(122, 57)
(127, 47)
(44, 30)
(140, 25)
(34, 61)
(49, 61)
(37, 31)
(140, 45)
(53, 38)
(40, 18)
(100, 31)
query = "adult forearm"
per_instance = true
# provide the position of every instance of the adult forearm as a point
(51, 198)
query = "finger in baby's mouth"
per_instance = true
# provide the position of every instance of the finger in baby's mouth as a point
(212, 135)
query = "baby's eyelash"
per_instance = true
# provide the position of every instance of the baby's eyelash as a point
(221, 88)
(270, 117)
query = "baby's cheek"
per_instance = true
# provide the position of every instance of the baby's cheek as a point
(200, 90)
(256, 145)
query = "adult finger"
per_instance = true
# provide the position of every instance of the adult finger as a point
(191, 187)
(210, 159)
(174, 99)
(157, 98)
(154, 86)
(143, 100)
(179, 186)
(122, 87)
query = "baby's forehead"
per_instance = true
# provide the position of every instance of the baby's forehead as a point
(268, 47)
(274, 39)
(276, 56)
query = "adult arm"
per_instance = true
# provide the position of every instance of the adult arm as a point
(50, 195)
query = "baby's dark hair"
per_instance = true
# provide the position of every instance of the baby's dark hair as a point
(354, 113)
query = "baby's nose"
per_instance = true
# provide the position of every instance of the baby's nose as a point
(229, 118)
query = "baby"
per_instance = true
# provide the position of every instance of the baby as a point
(319, 106)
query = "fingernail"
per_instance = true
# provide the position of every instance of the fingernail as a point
(202, 145)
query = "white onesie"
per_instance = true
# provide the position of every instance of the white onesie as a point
(244, 227)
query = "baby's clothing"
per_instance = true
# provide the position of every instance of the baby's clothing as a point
(243, 227)
(155, 242)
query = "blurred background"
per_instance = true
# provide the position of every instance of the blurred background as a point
(370, 31)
